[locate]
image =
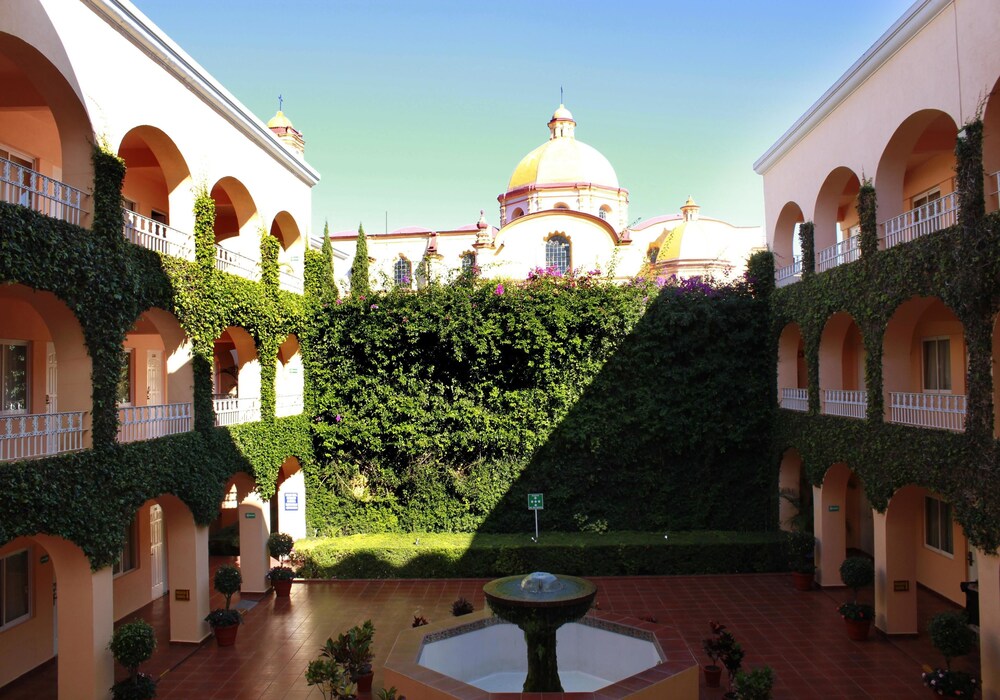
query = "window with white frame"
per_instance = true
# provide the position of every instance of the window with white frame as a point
(15, 588)
(557, 253)
(937, 525)
(13, 377)
(922, 199)
(402, 272)
(937, 365)
(127, 560)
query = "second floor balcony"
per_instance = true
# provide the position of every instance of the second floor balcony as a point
(235, 411)
(20, 184)
(925, 410)
(933, 216)
(795, 399)
(845, 251)
(159, 237)
(148, 422)
(288, 405)
(236, 264)
(789, 274)
(850, 404)
(30, 436)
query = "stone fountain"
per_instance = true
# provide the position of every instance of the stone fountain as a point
(539, 604)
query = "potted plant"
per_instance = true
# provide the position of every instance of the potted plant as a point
(353, 650)
(800, 547)
(755, 685)
(951, 635)
(225, 622)
(131, 644)
(331, 678)
(461, 607)
(715, 647)
(279, 545)
(856, 573)
(732, 659)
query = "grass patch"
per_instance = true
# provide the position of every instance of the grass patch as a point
(466, 555)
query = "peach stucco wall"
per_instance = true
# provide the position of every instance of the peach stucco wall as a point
(25, 645)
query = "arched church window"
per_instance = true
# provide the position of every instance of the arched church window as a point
(402, 272)
(468, 262)
(518, 213)
(557, 253)
(561, 205)
(604, 211)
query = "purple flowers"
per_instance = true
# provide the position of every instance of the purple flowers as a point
(374, 306)
(499, 290)
(337, 418)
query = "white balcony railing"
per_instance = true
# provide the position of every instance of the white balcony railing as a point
(852, 404)
(795, 399)
(845, 251)
(147, 422)
(288, 405)
(24, 186)
(39, 435)
(789, 274)
(236, 411)
(288, 281)
(153, 235)
(944, 411)
(236, 264)
(931, 217)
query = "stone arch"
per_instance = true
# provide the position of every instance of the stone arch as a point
(918, 161)
(835, 219)
(47, 123)
(157, 178)
(842, 367)
(237, 223)
(843, 521)
(292, 252)
(289, 379)
(795, 493)
(924, 365)
(785, 243)
(991, 148)
(236, 377)
(288, 509)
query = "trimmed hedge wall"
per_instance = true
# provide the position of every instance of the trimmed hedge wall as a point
(631, 407)
(575, 554)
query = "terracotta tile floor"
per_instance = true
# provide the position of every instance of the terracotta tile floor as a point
(799, 634)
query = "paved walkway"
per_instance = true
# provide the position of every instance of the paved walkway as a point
(800, 635)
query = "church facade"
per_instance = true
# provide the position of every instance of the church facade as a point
(563, 210)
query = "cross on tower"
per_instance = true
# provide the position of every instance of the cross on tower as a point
(280, 101)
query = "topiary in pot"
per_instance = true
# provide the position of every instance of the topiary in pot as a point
(227, 581)
(951, 635)
(856, 573)
(131, 644)
(279, 545)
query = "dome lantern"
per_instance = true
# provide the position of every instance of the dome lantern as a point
(562, 124)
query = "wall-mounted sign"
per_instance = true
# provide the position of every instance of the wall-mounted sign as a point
(249, 515)
(182, 594)
(833, 509)
(291, 501)
(900, 586)
(44, 559)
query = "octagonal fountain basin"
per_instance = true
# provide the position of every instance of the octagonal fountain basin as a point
(480, 656)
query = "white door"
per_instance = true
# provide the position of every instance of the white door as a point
(154, 391)
(51, 397)
(157, 551)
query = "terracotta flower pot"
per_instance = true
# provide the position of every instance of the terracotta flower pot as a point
(282, 587)
(365, 682)
(803, 581)
(226, 636)
(857, 630)
(713, 674)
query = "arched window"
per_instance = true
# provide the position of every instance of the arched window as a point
(518, 213)
(561, 205)
(557, 253)
(402, 273)
(604, 211)
(468, 262)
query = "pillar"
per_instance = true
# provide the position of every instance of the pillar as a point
(254, 517)
(829, 501)
(187, 572)
(989, 623)
(896, 567)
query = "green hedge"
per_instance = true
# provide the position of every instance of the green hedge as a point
(429, 555)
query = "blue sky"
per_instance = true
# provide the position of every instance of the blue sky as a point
(422, 109)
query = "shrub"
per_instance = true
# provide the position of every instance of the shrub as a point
(227, 581)
(279, 545)
(461, 607)
(800, 548)
(950, 634)
(131, 644)
(754, 685)
(856, 573)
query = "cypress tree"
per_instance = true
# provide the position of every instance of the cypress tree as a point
(326, 280)
(359, 269)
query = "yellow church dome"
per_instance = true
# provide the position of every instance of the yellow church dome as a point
(279, 120)
(563, 159)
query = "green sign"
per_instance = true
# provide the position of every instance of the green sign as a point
(834, 509)
(249, 515)
(535, 501)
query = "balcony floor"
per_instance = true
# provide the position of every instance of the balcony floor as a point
(797, 634)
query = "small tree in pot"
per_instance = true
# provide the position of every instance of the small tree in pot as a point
(755, 684)
(353, 650)
(856, 573)
(279, 545)
(951, 635)
(225, 622)
(131, 644)
(800, 548)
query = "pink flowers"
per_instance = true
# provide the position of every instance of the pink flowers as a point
(499, 290)
(338, 418)
(374, 306)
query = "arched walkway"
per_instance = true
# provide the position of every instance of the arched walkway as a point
(924, 366)
(157, 193)
(289, 503)
(786, 245)
(836, 220)
(991, 148)
(46, 377)
(842, 368)
(292, 253)
(842, 518)
(236, 229)
(236, 379)
(795, 502)
(289, 380)
(793, 379)
(915, 179)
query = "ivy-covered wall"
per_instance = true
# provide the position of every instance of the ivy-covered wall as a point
(629, 407)
(90, 497)
(960, 266)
